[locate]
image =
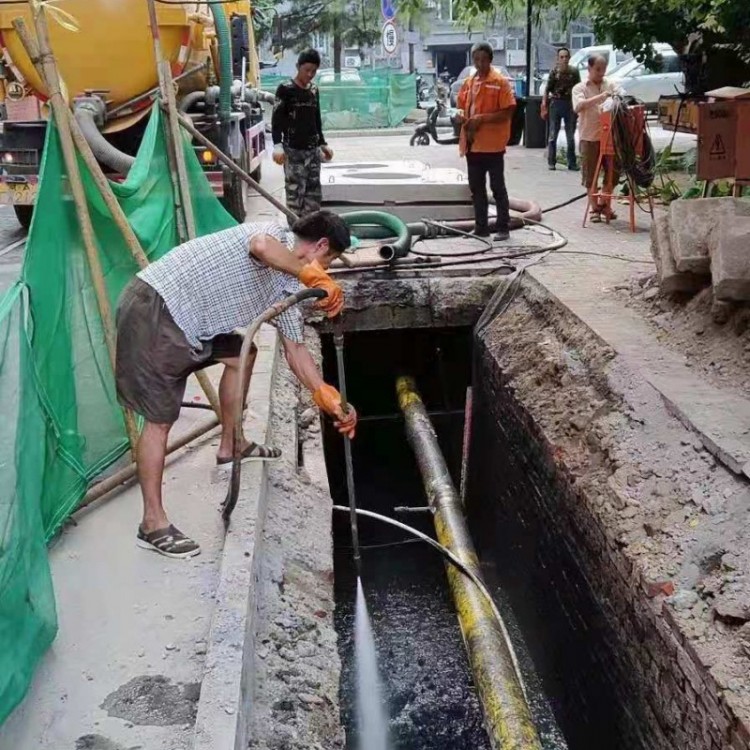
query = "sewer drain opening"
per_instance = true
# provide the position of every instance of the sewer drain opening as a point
(432, 702)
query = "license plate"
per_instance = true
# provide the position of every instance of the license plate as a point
(17, 193)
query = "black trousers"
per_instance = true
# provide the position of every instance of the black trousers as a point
(480, 165)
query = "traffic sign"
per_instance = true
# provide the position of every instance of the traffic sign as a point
(388, 9)
(390, 37)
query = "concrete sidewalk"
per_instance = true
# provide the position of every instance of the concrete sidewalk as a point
(126, 668)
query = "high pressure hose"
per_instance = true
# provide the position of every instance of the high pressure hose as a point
(103, 150)
(239, 404)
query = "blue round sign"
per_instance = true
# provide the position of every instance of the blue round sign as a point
(388, 8)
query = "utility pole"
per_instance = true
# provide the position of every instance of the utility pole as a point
(528, 48)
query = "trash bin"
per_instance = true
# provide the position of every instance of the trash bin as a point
(535, 128)
(516, 125)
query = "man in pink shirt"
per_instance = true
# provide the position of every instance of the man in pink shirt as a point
(588, 97)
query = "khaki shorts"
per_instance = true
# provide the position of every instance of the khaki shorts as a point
(154, 358)
(589, 157)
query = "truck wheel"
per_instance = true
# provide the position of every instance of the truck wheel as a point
(24, 214)
(235, 191)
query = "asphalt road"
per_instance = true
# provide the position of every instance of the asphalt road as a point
(11, 258)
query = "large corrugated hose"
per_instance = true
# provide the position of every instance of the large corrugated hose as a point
(224, 41)
(390, 223)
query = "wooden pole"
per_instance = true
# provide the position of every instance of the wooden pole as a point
(125, 475)
(186, 123)
(60, 113)
(105, 189)
(174, 140)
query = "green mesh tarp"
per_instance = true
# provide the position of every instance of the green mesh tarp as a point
(355, 100)
(61, 423)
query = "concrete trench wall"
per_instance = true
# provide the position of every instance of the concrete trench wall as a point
(545, 384)
(558, 489)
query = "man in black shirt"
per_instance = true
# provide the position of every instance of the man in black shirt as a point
(557, 103)
(299, 143)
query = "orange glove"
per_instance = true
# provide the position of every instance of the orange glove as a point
(313, 275)
(328, 400)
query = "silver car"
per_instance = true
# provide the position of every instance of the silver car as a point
(649, 82)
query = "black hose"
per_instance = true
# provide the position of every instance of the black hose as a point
(575, 198)
(196, 405)
(639, 167)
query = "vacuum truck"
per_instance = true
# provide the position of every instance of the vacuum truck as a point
(110, 76)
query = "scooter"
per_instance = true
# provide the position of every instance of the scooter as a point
(442, 115)
(423, 90)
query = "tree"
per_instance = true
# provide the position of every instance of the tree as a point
(351, 23)
(712, 35)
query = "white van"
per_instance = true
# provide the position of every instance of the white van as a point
(647, 82)
(580, 59)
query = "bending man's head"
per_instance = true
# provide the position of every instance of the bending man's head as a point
(321, 236)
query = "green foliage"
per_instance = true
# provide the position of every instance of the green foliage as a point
(718, 28)
(354, 23)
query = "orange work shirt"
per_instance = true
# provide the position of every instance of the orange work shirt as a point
(483, 96)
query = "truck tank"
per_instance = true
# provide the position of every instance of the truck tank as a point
(112, 53)
(109, 71)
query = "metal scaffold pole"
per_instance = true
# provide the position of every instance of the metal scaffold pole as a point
(493, 662)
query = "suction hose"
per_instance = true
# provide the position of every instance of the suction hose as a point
(190, 100)
(103, 150)
(392, 224)
(224, 41)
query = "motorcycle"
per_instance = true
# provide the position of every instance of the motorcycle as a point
(443, 116)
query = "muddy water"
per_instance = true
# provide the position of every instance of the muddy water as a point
(432, 702)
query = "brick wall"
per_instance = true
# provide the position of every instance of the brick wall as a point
(614, 660)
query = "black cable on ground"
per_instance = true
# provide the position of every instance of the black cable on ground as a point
(197, 405)
(447, 229)
(565, 203)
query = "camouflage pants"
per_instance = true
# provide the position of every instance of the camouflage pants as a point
(302, 174)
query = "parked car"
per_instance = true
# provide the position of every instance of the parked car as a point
(469, 70)
(649, 81)
(347, 75)
(580, 60)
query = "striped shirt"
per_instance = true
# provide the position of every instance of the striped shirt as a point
(212, 285)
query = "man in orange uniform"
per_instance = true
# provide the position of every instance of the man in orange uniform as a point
(487, 101)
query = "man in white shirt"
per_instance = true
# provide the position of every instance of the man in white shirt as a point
(180, 314)
(588, 98)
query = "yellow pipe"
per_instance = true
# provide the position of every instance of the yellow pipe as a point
(507, 716)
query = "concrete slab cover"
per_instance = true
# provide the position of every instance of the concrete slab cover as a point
(671, 281)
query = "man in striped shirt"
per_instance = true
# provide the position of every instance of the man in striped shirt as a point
(180, 315)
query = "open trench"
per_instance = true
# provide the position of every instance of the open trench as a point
(562, 638)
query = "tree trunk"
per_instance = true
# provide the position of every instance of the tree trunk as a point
(411, 47)
(337, 44)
